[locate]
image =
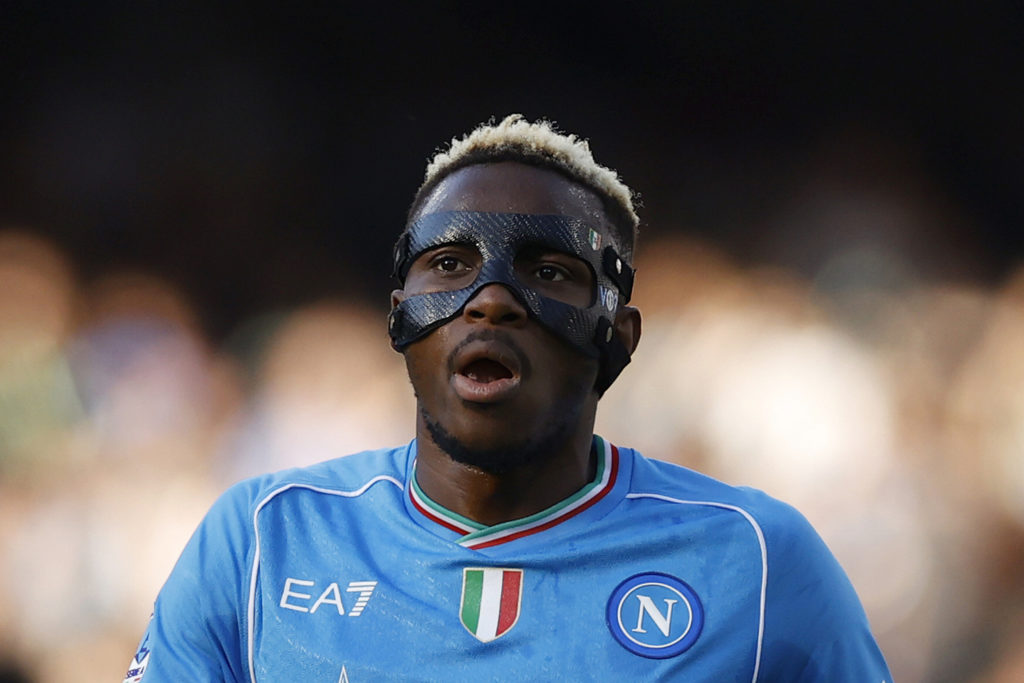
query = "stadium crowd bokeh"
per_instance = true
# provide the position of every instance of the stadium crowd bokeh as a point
(196, 204)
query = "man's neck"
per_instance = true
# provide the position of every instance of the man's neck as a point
(489, 498)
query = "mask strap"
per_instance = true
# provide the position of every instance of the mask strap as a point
(400, 256)
(614, 356)
(618, 271)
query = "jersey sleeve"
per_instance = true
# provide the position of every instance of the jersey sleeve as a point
(815, 627)
(197, 631)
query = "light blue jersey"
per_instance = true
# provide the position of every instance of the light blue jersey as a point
(346, 571)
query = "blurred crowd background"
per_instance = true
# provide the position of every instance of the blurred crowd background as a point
(196, 216)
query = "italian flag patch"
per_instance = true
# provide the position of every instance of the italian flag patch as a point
(490, 601)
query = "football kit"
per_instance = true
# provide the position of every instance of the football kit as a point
(347, 571)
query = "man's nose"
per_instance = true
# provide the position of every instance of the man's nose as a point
(495, 303)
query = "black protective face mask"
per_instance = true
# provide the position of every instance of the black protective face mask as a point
(499, 238)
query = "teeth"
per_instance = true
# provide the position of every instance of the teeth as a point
(486, 371)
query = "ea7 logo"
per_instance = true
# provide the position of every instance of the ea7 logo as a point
(294, 598)
(655, 615)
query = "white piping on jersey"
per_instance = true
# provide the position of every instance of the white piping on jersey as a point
(764, 556)
(251, 612)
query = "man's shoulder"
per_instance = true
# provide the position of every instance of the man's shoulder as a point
(345, 474)
(672, 483)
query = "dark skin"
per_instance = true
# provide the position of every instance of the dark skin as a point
(494, 377)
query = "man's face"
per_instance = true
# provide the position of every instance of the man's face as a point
(493, 386)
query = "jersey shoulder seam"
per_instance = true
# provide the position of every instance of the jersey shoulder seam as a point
(634, 495)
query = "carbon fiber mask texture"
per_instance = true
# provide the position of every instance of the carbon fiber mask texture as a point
(499, 238)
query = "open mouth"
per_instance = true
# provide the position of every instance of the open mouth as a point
(486, 370)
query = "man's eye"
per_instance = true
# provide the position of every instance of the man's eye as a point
(551, 273)
(448, 264)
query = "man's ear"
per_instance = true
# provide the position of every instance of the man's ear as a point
(627, 327)
(397, 297)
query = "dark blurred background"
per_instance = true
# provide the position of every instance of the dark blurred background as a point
(197, 206)
(259, 155)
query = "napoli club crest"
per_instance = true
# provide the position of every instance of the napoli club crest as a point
(655, 615)
(490, 601)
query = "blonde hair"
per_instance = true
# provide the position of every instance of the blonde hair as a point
(539, 144)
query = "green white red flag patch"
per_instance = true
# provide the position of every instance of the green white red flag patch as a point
(491, 597)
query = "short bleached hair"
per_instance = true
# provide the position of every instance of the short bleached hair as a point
(538, 144)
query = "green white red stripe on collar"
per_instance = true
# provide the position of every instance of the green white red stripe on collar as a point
(478, 536)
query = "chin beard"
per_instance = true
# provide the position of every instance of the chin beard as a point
(506, 457)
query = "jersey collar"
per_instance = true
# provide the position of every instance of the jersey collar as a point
(470, 534)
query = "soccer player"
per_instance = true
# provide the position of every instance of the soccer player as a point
(507, 541)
